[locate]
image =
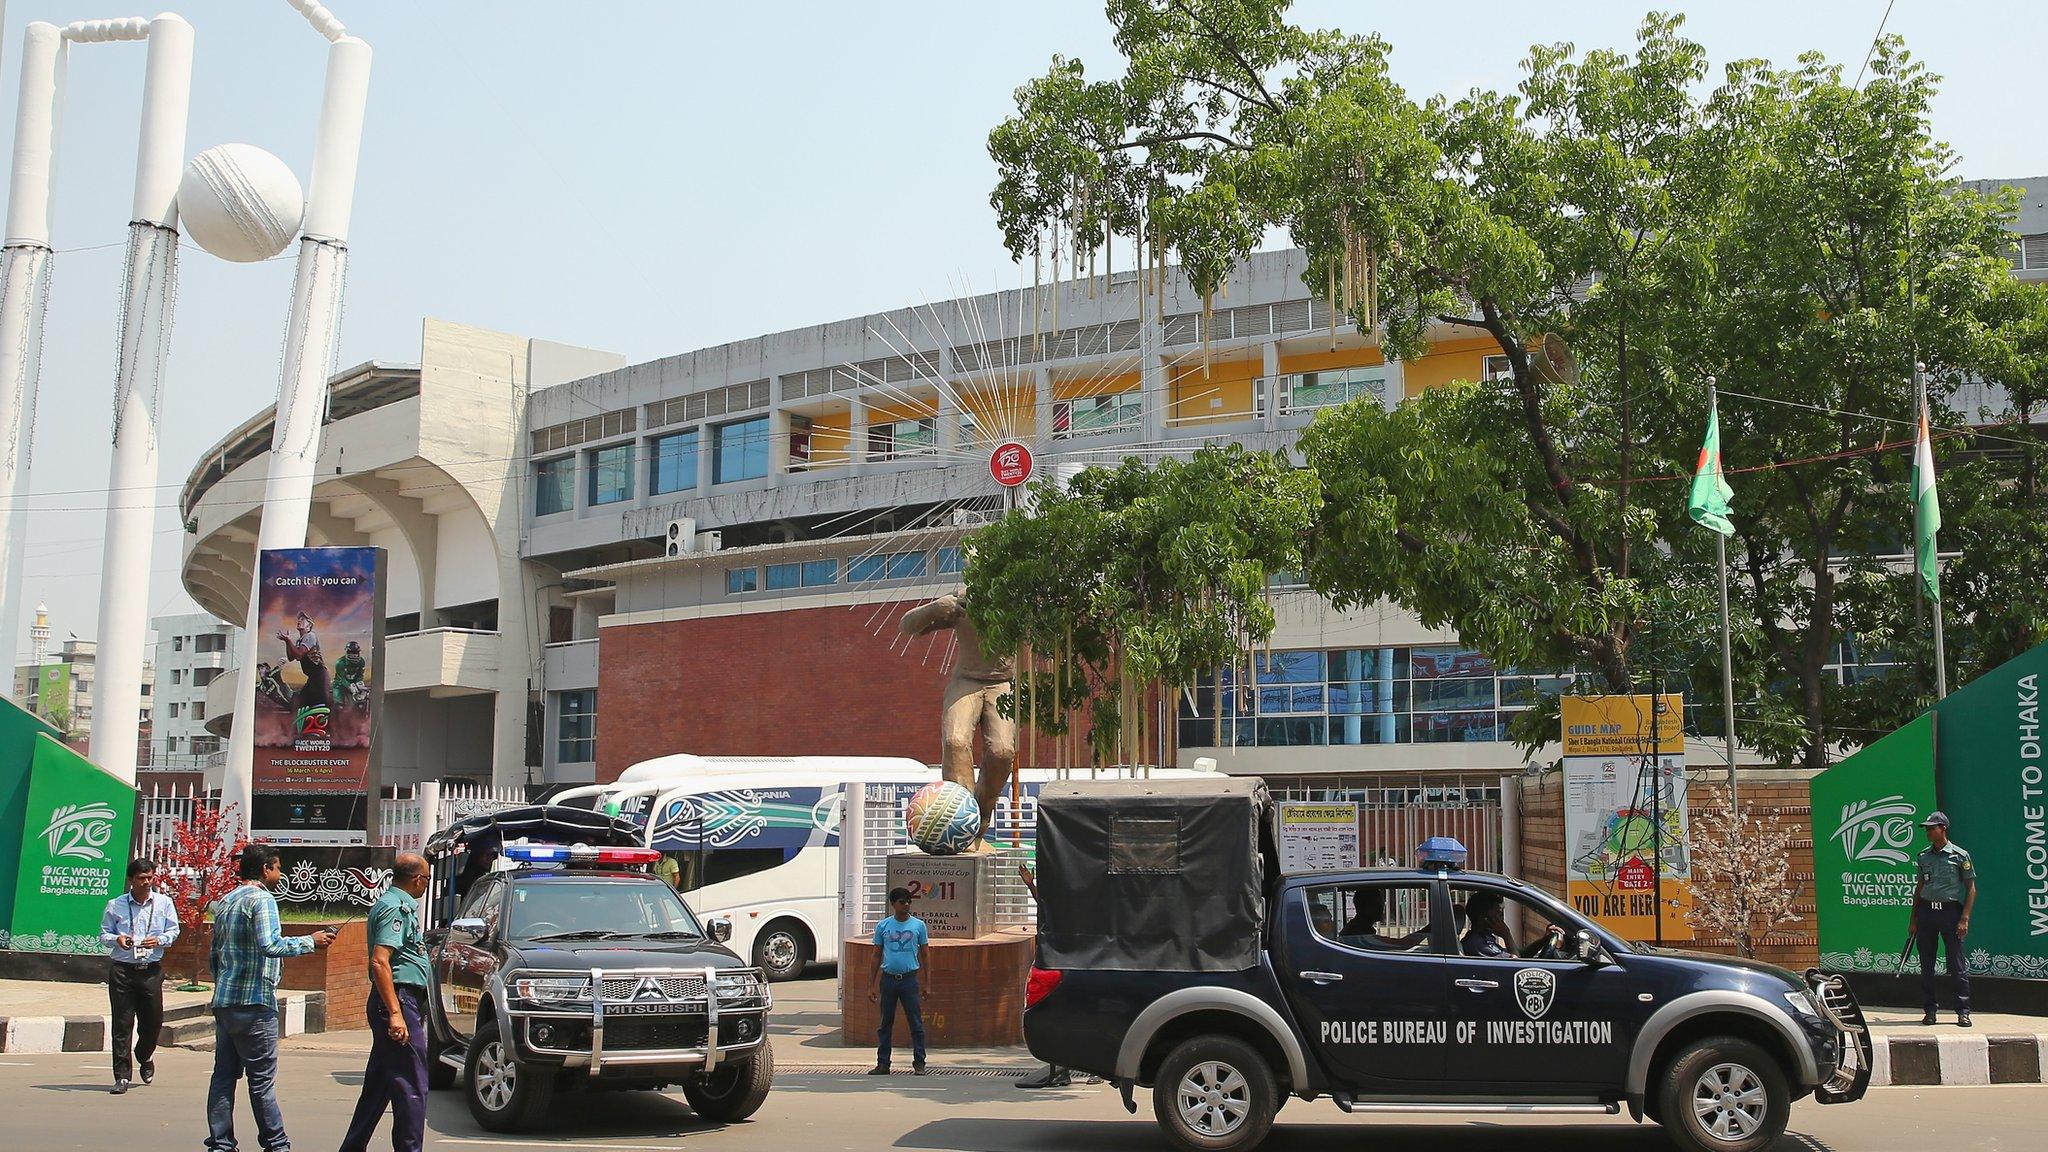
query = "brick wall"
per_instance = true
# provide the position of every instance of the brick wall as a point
(1777, 799)
(809, 682)
(342, 969)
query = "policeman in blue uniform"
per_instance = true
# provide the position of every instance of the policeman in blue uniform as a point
(1942, 900)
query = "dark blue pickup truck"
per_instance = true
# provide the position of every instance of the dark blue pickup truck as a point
(1174, 956)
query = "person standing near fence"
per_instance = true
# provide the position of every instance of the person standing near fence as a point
(1943, 897)
(902, 944)
(136, 928)
(249, 947)
(396, 1076)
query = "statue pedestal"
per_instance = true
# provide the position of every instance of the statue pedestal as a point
(955, 896)
(973, 991)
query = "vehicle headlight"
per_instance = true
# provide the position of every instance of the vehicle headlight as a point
(1802, 1004)
(736, 987)
(551, 988)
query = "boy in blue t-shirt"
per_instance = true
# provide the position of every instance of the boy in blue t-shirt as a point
(901, 942)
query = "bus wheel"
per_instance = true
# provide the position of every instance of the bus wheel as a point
(782, 949)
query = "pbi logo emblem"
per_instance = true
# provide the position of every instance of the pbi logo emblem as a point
(312, 723)
(1876, 830)
(1535, 988)
(80, 831)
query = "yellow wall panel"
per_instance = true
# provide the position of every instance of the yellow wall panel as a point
(1223, 394)
(1077, 387)
(1003, 411)
(1447, 361)
(1324, 361)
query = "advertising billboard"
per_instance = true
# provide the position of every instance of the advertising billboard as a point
(1628, 859)
(73, 854)
(319, 671)
(1866, 838)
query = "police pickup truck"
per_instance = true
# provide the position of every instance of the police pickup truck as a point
(1173, 955)
(559, 960)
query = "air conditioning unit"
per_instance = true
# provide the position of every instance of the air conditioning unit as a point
(681, 538)
(710, 541)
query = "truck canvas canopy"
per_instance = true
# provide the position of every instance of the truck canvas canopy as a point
(1152, 875)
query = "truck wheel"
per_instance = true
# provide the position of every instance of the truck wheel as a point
(1723, 1094)
(503, 1096)
(734, 1091)
(781, 950)
(1215, 1094)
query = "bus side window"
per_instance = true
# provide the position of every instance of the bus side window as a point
(723, 864)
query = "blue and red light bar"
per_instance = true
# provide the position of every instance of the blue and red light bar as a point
(578, 854)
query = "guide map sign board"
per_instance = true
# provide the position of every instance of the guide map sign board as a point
(319, 676)
(1627, 855)
(1318, 837)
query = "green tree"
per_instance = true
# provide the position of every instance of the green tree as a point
(1132, 582)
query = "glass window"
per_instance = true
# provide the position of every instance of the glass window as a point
(864, 569)
(906, 565)
(1097, 415)
(893, 439)
(576, 726)
(177, 643)
(739, 580)
(739, 451)
(674, 464)
(204, 676)
(782, 577)
(198, 710)
(1372, 917)
(1502, 926)
(951, 560)
(177, 676)
(818, 573)
(611, 474)
(554, 485)
(1305, 391)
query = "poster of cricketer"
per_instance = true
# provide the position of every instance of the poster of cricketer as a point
(320, 629)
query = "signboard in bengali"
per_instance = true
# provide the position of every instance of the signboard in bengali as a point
(1628, 860)
(74, 851)
(1318, 837)
(320, 623)
(1866, 837)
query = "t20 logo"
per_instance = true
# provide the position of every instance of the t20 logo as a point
(1878, 830)
(80, 831)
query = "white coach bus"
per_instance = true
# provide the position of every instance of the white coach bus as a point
(757, 839)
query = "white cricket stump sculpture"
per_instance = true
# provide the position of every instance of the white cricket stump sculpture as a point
(240, 204)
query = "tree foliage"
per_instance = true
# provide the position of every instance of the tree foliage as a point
(200, 867)
(1134, 581)
(1616, 230)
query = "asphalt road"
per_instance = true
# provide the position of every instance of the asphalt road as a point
(61, 1102)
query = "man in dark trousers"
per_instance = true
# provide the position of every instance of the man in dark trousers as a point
(396, 1075)
(902, 944)
(136, 928)
(1942, 900)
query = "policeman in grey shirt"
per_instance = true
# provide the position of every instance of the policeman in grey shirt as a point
(1941, 913)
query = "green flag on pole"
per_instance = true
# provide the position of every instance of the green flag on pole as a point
(1708, 504)
(1926, 513)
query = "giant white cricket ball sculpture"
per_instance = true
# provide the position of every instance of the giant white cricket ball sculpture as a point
(240, 203)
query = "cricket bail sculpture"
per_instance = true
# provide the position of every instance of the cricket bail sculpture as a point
(976, 684)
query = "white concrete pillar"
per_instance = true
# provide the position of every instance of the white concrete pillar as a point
(151, 285)
(1269, 382)
(24, 294)
(856, 435)
(302, 396)
(1041, 405)
(1397, 387)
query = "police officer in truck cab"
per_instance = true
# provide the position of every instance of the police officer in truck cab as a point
(1941, 913)
(1489, 935)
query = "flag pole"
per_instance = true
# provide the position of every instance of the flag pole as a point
(1940, 645)
(1727, 646)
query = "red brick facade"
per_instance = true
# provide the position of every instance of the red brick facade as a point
(808, 682)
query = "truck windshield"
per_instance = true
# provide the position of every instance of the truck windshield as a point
(596, 909)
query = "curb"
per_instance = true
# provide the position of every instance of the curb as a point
(298, 1014)
(1944, 1060)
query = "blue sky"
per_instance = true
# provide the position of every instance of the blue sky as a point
(655, 177)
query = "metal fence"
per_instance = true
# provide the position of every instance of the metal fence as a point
(405, 819)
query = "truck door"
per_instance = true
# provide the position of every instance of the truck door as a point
(1366, 983)
(462, 968)
(1538, 1021)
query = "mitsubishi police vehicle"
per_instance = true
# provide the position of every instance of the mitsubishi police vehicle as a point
(559, 960)
(1173, 955)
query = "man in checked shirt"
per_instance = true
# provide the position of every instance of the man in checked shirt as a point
(249, 947)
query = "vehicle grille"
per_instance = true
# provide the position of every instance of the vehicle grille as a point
(1837, 1002)
(643, 1032)
(624, 989)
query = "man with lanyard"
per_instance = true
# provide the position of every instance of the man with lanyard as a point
(136, 928)
(1942, 900)
(397, 1072)
(249, 947)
